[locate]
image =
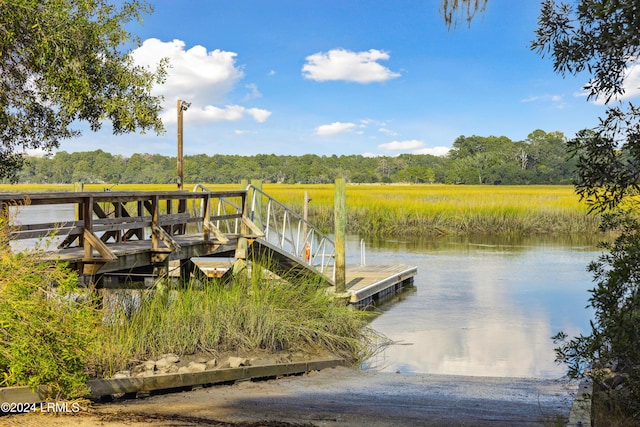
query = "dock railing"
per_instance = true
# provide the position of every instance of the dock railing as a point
(161, 217)
(291, 233)
(120, 217)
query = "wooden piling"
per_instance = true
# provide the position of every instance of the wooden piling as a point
(340, 219)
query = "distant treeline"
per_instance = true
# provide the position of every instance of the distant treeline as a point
(540, 159)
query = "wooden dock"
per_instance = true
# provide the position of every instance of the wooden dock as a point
(366, 284)
(143, 233)
(369, 284)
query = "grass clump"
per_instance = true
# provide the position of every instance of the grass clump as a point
(246, 315)
(47, 330)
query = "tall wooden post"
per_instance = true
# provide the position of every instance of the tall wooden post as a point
(181, 106)
(180, 170)
(340, 218)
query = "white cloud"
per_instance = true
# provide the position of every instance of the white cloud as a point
(203, 78)
(334, 128)
(341, 64)
(229, 113)
(435, 151)
(631, 84)
(411, 144)
(387, 131)
(414, 146)
(253, 92)
(556, 100)
(258, 114)
(36, 152)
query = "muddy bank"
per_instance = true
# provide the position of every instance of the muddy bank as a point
(338, 397)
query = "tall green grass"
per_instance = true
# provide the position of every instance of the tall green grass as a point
(423, 209)
(405, 210)
(247, 315)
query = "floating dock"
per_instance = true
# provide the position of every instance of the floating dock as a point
(368, 284)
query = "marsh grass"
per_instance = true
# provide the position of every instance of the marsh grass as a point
(421, 209)
(405, 210)
(254, 314)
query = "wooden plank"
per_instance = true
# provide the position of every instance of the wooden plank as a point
(109, 196)
(170, 381)
(106, 387)
(22, 394)
(368, 281)
(99, 246)
(36, 233)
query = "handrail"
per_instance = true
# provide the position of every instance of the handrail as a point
(131, 212)
(291, 233)
(157, 216)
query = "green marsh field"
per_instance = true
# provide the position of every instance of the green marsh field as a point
(418, 209)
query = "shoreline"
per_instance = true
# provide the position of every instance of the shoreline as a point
(339, 397)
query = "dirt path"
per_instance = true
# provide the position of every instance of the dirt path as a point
(337, 397)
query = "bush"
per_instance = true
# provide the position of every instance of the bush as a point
(611, 353)
(46, 335)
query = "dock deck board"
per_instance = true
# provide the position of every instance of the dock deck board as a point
(364, 282)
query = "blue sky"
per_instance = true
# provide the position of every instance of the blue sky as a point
(328, 77)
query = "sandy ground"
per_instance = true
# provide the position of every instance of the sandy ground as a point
(336, 397)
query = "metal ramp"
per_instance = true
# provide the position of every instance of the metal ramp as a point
(274, 231)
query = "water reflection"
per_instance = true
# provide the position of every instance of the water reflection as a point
(480, 306)
(483, 307)
(25, 215)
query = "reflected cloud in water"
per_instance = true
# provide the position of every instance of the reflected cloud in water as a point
(485, 309)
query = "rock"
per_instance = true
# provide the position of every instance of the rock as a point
(236, 362)
(122, 374)
(183, 370)
(149, 365)
(165, 362)
(137, 369)
(211, 364)
(162, 364)
(197, 367)
(284, 358)
(170, 357)
(171, 369)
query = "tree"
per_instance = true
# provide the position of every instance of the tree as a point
(610, 353)
(67, 61)
(468, 8)
(601, 37)
(547, 158)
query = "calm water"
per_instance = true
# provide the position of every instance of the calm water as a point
(478, 307)
(58, 214)
(483, 308)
